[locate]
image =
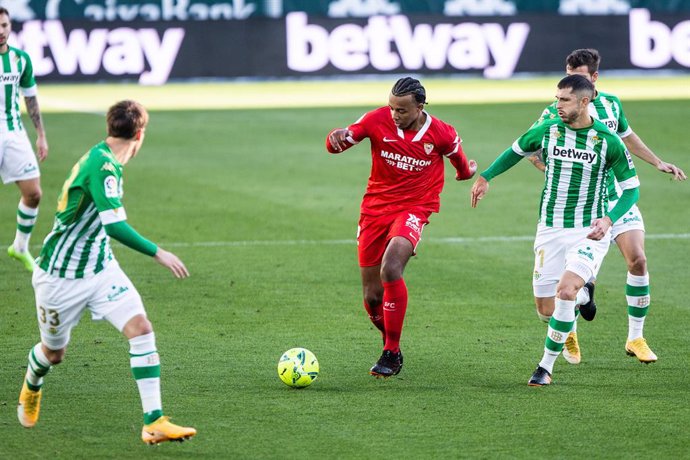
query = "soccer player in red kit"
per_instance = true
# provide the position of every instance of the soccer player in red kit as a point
(407, 150)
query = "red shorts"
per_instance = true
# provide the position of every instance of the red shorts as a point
(374, 233)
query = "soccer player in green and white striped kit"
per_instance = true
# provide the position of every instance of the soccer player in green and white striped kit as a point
(574, 220)
(17, 160)
(628, 231)
(77, 272)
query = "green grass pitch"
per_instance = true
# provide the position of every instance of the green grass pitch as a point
(265, 220)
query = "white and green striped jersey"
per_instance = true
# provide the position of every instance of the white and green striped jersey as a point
(578, 165)
(78, 246)
(608, 109)
(16, 72)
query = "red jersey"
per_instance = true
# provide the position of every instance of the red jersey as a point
(407, 166)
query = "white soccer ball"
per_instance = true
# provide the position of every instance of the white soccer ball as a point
(298, 367)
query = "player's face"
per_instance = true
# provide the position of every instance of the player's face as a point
(404, 110)
(569, 106)
(582, 70)
(5, 29)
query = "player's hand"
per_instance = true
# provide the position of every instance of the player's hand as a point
(670, 168)
(479, 189)
(599, 228)
(41, 147)
(171, 262)
(473, 170)
(338, 139)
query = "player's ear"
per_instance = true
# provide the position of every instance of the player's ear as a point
(595, 76)
(139, 134)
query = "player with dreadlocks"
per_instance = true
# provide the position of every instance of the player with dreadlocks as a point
(407, 150)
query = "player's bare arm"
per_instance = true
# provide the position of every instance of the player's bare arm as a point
(640, 150)
(171, 262)
(536, 160)
(479, 189)
(35, 115)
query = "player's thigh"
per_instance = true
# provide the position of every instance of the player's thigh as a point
(549, 260)
(18, 159)
(631, 245)
(115, 299)
(60, 303)
(585, 256)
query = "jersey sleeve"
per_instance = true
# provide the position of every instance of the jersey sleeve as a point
(27, 82)
(624, 129)
(622, 164)
(359, 130)
(531, 141)
(363, 127)
(453, 141)
(105, 188)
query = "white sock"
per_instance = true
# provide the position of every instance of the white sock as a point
(582, 296)
(38, 367)
(146, 369)
(638, 299)
(558, 332)
(26, 219)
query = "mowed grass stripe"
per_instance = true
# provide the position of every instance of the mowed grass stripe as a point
(95, 98)
(431, 240)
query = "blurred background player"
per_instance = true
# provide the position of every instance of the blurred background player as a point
(628, 231)
(77, 271)
(574, 219)
(407, 150)
(17, 160)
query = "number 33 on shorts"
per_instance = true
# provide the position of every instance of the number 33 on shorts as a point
(49, 317)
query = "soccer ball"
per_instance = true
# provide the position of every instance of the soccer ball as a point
(298, 368)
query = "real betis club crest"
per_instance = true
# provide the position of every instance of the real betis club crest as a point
(428, 148)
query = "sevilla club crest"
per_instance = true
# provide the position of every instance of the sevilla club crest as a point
(428, 148)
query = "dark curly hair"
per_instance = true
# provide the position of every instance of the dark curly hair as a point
(585, 56)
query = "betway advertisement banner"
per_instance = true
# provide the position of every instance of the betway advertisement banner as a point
(301, 45)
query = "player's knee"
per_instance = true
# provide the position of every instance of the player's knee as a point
(373, 298)
(391, 271)
(567, 292)
(637, 265)
(32, 198)
(54, 356)
(139, 325)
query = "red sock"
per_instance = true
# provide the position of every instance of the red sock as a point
(394, 307)
(376, 317)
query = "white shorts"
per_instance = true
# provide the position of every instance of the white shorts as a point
(60, 302)
(17, 158)
(559, 249)
(631, 220)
